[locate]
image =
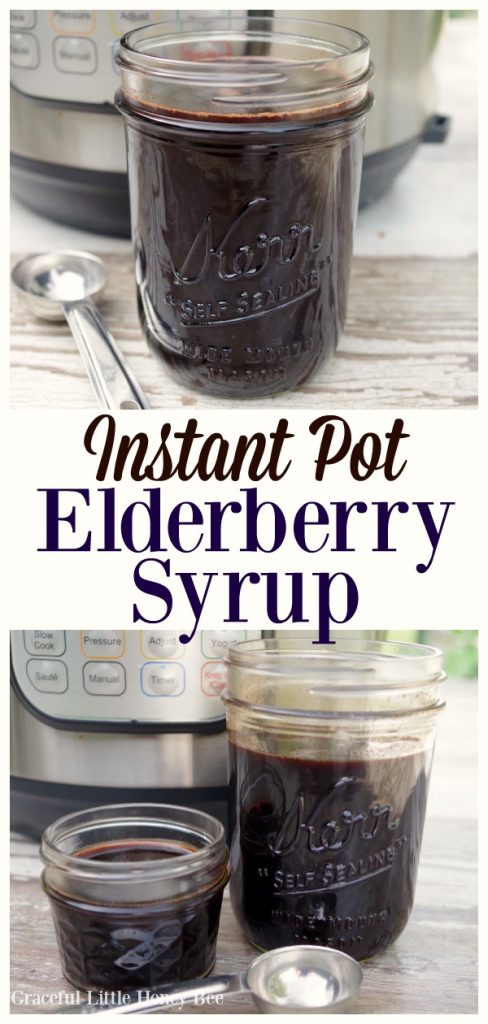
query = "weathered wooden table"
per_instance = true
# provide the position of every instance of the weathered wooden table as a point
(410, 342)
(432, 967)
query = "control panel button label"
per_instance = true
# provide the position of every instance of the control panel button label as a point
(45, 641)
(73, 22)
(214, 678)
(22, 19)
(123, 21)
(163, 680)
(24, 50)
(160, 644)
(102, 643)
(75, 56)
(104, 679)
(215, 643)
(48, 676)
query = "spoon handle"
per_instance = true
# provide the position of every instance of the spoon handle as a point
(169, 996)
(113, 381)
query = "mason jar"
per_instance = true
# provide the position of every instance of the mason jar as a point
(136, 892)
(244, 141)
(330, 753)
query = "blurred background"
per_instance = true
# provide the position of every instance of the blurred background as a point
(412, 325)
(460, 648)
(67, 140)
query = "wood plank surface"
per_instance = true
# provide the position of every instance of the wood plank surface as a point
(430, 969)
(410, 342)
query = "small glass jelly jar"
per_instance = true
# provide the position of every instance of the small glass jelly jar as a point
(136, 892)
(330, 752)
(245, 144)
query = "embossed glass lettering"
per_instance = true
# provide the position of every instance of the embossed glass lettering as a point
(234, 261)
(330, 833)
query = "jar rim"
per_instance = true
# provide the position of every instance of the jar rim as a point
(355, 680)
(156, 31)
(274, 68)
(303, 715)
(352, 655)
(197, 824)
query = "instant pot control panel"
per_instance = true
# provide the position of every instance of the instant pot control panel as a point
(69, 55)
(113, 677)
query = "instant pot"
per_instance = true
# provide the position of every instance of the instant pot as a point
(67, 140)
(106, 716)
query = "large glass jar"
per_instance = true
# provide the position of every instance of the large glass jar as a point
(330, 751)
(245, 143)
(136, 892)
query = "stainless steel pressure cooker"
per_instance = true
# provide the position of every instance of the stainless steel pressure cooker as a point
(67, 140)
(103, 716)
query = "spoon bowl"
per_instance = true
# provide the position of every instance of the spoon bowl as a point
(63, 284)
(49, 280)
(303, 979)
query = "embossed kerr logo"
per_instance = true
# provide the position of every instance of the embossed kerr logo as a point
(233, 261)
(324, 827)
(328, 833)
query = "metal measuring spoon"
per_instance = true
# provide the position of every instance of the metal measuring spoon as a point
(293, 979)
(62, 284)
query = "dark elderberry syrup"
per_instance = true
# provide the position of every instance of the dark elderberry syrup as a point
(243, 246)
(326, 852)
(123, 852)
(118, 947)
